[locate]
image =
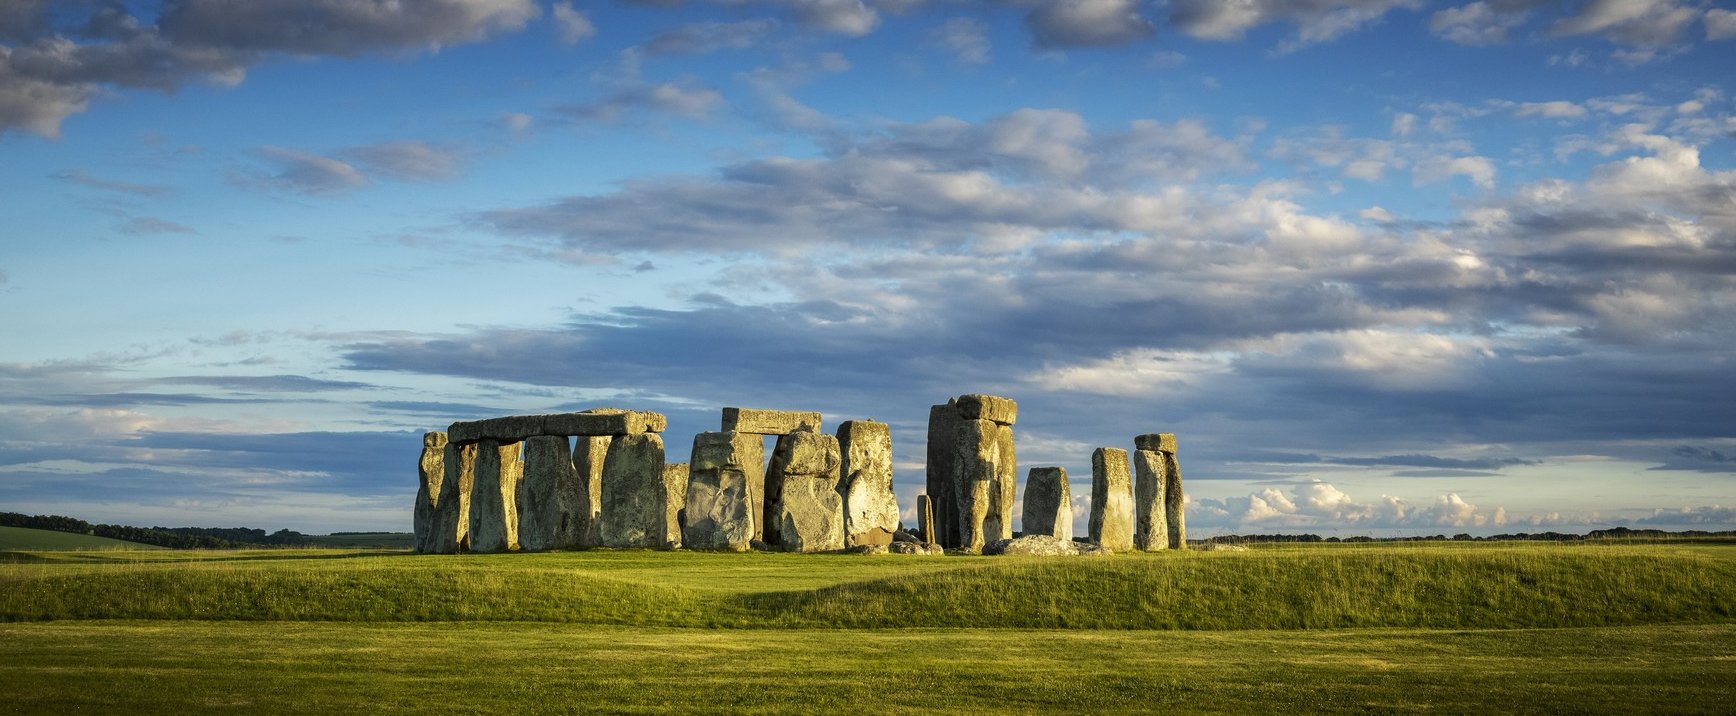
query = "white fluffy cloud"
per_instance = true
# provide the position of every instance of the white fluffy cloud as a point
(1317, 504)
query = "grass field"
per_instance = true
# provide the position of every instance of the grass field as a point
(1456, 628)
(24, 538)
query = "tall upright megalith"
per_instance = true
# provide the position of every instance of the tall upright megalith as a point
(972, 469)
(1111, 500)
(724, 472)
(870, 506)
(494, 496)
(1048, 503)
(810, 512)
(633, 492)
(675, 477)
(1150, 516)
(547, 515)
(925, 519)
(1174, 502)
(759, 421)
(588, 454)
(430, 472)
(450, 531)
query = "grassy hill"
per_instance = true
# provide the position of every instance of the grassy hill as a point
(22, 538)
(384, 540)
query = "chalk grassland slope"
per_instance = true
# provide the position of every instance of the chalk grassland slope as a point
(300, 667)
(1482, 587)
(24, 538)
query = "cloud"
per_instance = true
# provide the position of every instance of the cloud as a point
(78, 176)
(1720, 24)
(265, 383)
(1557, 109)
(143, 225)
(966, 38)
(1480, 170)
(1708, 515)
(1062, 24)
(1649, 23)
(851, 18)
(1479, 23)
(409, 161)
(700, 38)
(1321, 505)
(307, 173)
(1315, 21)
(690, 99)
(572, 25)
(341, 27)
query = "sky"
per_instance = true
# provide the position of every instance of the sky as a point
(1385, 267)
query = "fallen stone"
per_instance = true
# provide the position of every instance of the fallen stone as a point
(1175, 503)
(494, 497)
(430, 472)
(976, 452)
(727, 470)
(1155, 442)
(915, 548)
(903, 536)
(587, 497)
(543, 496)
(988, 407)
(804, 455)
(1048, 503)
(1111, 500)
(633, 494)
(450, 530)
(869, 549)
(870, 505)
(943, 423)
(769, 422)
(1034, 545)
(674, 499)
(804, 468)
(1150, 513)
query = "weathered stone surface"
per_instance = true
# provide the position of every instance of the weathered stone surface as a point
(869, 549)
(925, 519)
(988, 407)
(870, 505)
(810, 513)
(1004, 493)
(675, 477)
(943, 423)
(726, 472)
(802, 453)
(633, 509)
(903, 536)
(598, 421)
(769, 422)
(587, 497)
(1150, 513)
(430, 472)
(1174, 503)
(494, 497)
(915, 548)
(1048, 503)
(1155, 442)
(450, 530)
(1038, 546)
(1111, 500)
(546, 494)
(976, 454)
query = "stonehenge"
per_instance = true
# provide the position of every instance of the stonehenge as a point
(600, 478)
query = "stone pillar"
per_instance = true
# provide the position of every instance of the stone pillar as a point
(1150, 523)
(942, 432)
(870, 506)
(925, 519)
(976, 452)
(810, 513)
(450, 530)
(588, 454)
(1048, 503)
(727, 471)
(494, 497)
(633, 493)
(1173, 500)
(1111, 500)
(1004, 493)
(430, 472)
(546, 518)
(675, 477)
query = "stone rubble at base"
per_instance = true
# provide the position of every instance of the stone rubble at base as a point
(599, 478)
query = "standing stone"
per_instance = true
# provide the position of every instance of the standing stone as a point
(1174, 502)
(675, 479)
(588, 454)
(545, 496)
(943, 423)
(726, 473)
(450, 531)
(1048, 503)
(1111, 500)
(1005, 491)
(810, 513)
(1150, 521)
(430, 472)
(925, 519)
(494, 497)
(870, 505)
(976, 454)
(633, 492)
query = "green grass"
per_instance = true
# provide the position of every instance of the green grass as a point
(389, 540)
(287, 667)
(24, 538)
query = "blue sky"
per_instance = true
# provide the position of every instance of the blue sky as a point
(1385, 266)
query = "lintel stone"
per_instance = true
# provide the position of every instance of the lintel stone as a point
(977, 406)
(1155, 442)
(769, 422)
(601, 421)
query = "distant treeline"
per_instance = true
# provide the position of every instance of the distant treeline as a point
(1611, 533)
(172, 537)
